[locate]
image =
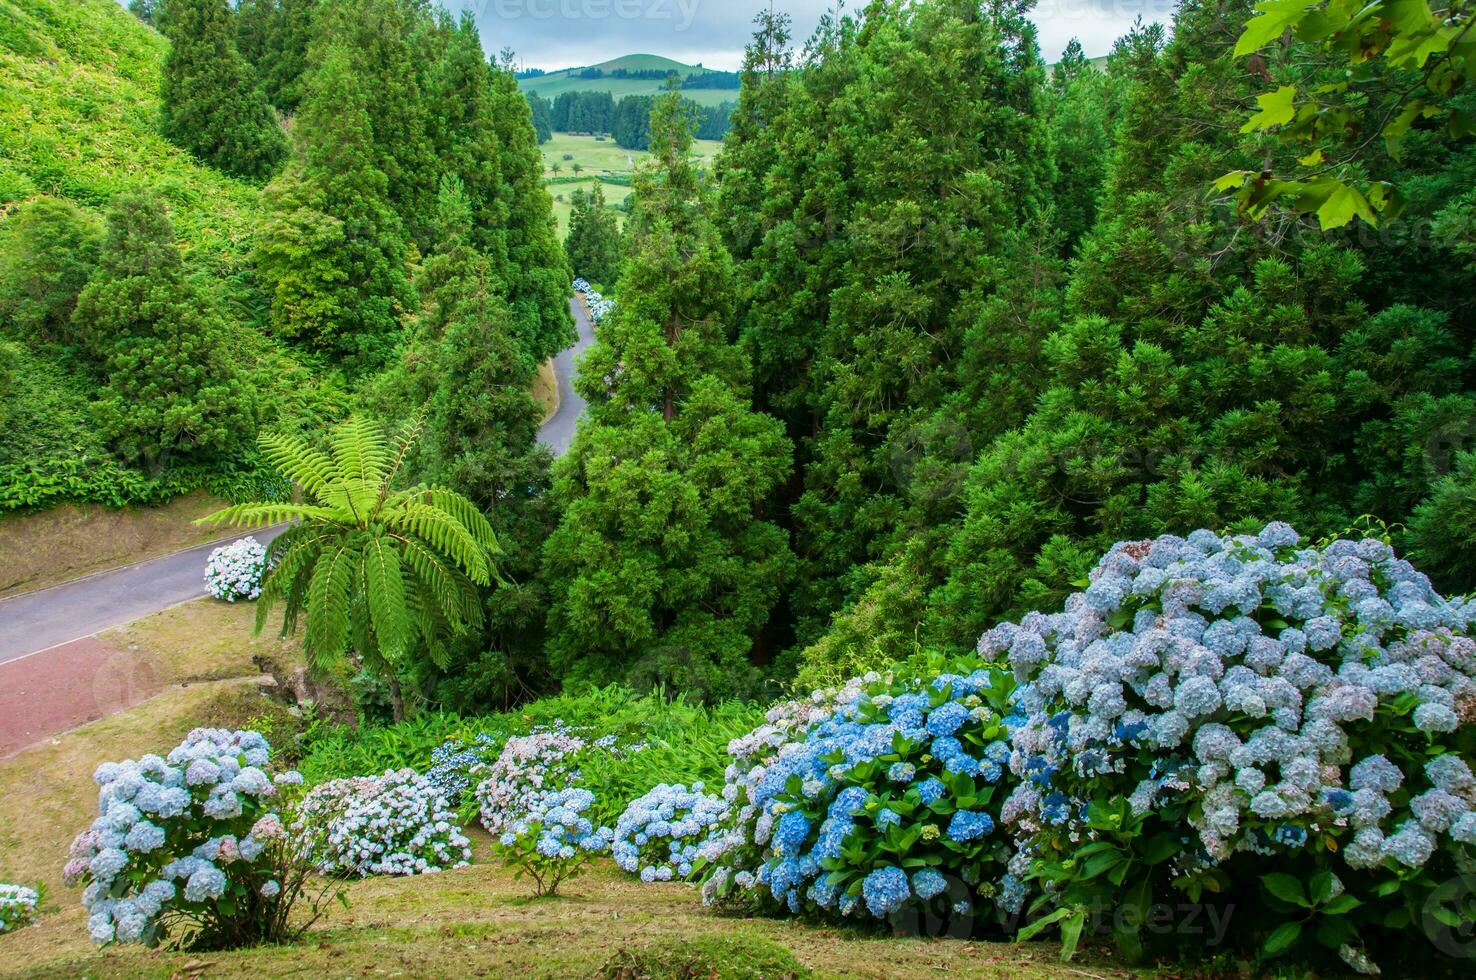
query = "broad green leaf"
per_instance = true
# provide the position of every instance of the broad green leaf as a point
(1283, 938)
(1271, 21)
(1285, 887)
(1342, 206)
(1276, 109)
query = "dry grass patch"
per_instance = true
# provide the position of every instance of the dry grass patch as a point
(68, 541)
(203, 640)
(546, 389)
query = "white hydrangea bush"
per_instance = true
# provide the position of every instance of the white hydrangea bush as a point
(189, 846)
(395, 824)
(17, 906)
(1249, 715)
(530, 766)
(234, 572)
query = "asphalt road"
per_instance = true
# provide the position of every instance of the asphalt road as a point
(38, 621)
(558, 432)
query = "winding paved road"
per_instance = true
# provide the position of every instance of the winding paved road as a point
(49, 619)
(558, 432)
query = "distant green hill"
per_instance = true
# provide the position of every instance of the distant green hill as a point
(553, 84)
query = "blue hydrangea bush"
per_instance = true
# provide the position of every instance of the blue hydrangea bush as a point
(191, 848)
(17, 906)
(667, 833)
(877, 801)
(394, 824)
(1254, 720)
(456, 765)
(552, 839)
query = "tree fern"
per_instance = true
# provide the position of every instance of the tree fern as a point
(379, 573)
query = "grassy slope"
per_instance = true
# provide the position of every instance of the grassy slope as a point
(555, 83)
(79, 119)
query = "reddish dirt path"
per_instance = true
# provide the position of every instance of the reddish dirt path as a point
(67, 686)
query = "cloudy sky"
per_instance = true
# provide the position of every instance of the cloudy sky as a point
(555, 34)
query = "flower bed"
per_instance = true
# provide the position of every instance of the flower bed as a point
(189, 847)
(394, 824)
(17, 906)
(234, 572)
(545, 760)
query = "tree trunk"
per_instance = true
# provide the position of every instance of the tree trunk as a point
(397, 698)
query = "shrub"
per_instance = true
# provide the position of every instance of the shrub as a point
(528, 767)
(17, 906)
(660, 834)
(234, 571)
(456, 763)
(1281, 725)
(395, 824)
(191, 848)
(690, 957)
(552, 840)
(48, 250)
(886, 805)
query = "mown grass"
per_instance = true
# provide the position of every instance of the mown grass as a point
(480, 922)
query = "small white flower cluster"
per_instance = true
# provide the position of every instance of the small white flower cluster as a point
(662, 834)
(1281, 692)
(395, 824)
(173, 833)
(17, 906)
(234, 571)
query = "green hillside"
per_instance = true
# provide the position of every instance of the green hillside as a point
(555, 83)
(79, 112)
(79, 104)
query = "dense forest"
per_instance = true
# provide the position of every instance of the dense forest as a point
(628, 120)
(939, 326)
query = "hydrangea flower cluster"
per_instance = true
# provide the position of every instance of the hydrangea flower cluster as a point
(176, 834)
(552, 840)
(662, 834)
(545, 759)
(394, 824)
(234, 572)
(456, 763)
(529, 765)
(1270, 697)
(885, 800)
(599, 307)
(17, 906)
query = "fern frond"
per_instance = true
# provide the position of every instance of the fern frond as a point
(328, 605)
(448, 587)
(384, 586)
(269, 514)
(466, 512)
(289, 557)
(443, 532)
(301, 463)
(360, 450)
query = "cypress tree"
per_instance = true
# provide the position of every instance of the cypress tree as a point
(593, 244)
(212, 104)
(168, 392)
(274, 36)
(662, 569)
(331, 251)
(537, 272)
